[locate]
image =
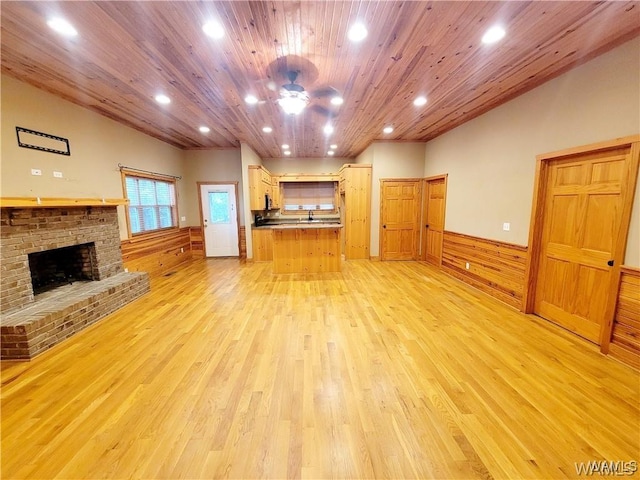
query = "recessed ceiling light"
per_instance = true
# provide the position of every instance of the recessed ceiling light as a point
(251, 100)
(287, 152)
(163, 99)
(337, 101)
(63, 27)
(267, 129)
(493, 35)
(387, 129)
(330, 152)
(213, 29)
(418, 102)
(357, 32)
(204, 129)
(285, 146)
(333, 146)
(328, 129)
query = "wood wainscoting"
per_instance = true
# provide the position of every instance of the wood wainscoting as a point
(625, 339)
(158, 253)
(243, 241)
(497, 268)
(197, 241)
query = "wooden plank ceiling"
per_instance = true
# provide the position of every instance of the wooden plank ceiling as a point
(128, 51)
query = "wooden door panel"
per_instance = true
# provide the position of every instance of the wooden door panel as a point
(433, 244)
(408, 209)
(557, 272)
(601, 223)
(394, 210)
(574, 323)
(569, 175)
(562, 215)
(588, 297)
(583, 214)
(608, 172)
(407, 244)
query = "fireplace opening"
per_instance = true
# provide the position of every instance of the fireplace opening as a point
(62, 266)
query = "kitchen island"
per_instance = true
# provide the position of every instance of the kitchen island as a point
(306, 247)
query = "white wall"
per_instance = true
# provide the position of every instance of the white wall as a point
(97, 145)
(491, 159)
(224, 165)
(389, 160)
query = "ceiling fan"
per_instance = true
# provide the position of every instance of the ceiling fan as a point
(293, 98)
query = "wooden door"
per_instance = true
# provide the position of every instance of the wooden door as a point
(434, 194)
(586, 216)
(400, 219)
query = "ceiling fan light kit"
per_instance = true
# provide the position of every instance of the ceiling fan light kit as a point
(293, 102)
(293, 99)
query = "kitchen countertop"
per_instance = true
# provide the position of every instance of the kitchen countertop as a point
(293, 225)
(303, 225)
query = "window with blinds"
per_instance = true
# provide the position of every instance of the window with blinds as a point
(152, 204)
(299, 197)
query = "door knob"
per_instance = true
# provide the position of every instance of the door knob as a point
(610, 263)
(426, 226)
(384, 226)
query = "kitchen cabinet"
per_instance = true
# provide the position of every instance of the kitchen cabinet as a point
(357, 210)
(262, 244)
(275, 192)
(259, 186)
(304, 248)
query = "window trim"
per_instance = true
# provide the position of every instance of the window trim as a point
(124, 173)
(298, 212)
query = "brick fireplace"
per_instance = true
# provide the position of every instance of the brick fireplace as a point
(75, 250)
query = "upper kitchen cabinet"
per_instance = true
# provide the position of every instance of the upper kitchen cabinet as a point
(275, 192)
(260, 189)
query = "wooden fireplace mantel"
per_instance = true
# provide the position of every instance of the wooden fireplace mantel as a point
(50, 202)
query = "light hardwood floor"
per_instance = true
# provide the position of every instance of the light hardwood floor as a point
(386, 370)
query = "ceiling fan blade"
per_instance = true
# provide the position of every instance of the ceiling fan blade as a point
(267, 82)
(324, 111)
(326, 91)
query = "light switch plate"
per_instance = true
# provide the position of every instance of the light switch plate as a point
(57, 174)
(183, 219)
(506, 226)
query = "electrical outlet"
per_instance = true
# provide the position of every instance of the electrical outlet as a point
(57, 174)
(466, 265)
(36, 171)
(506, 226)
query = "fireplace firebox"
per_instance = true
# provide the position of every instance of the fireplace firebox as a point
(62, 266)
